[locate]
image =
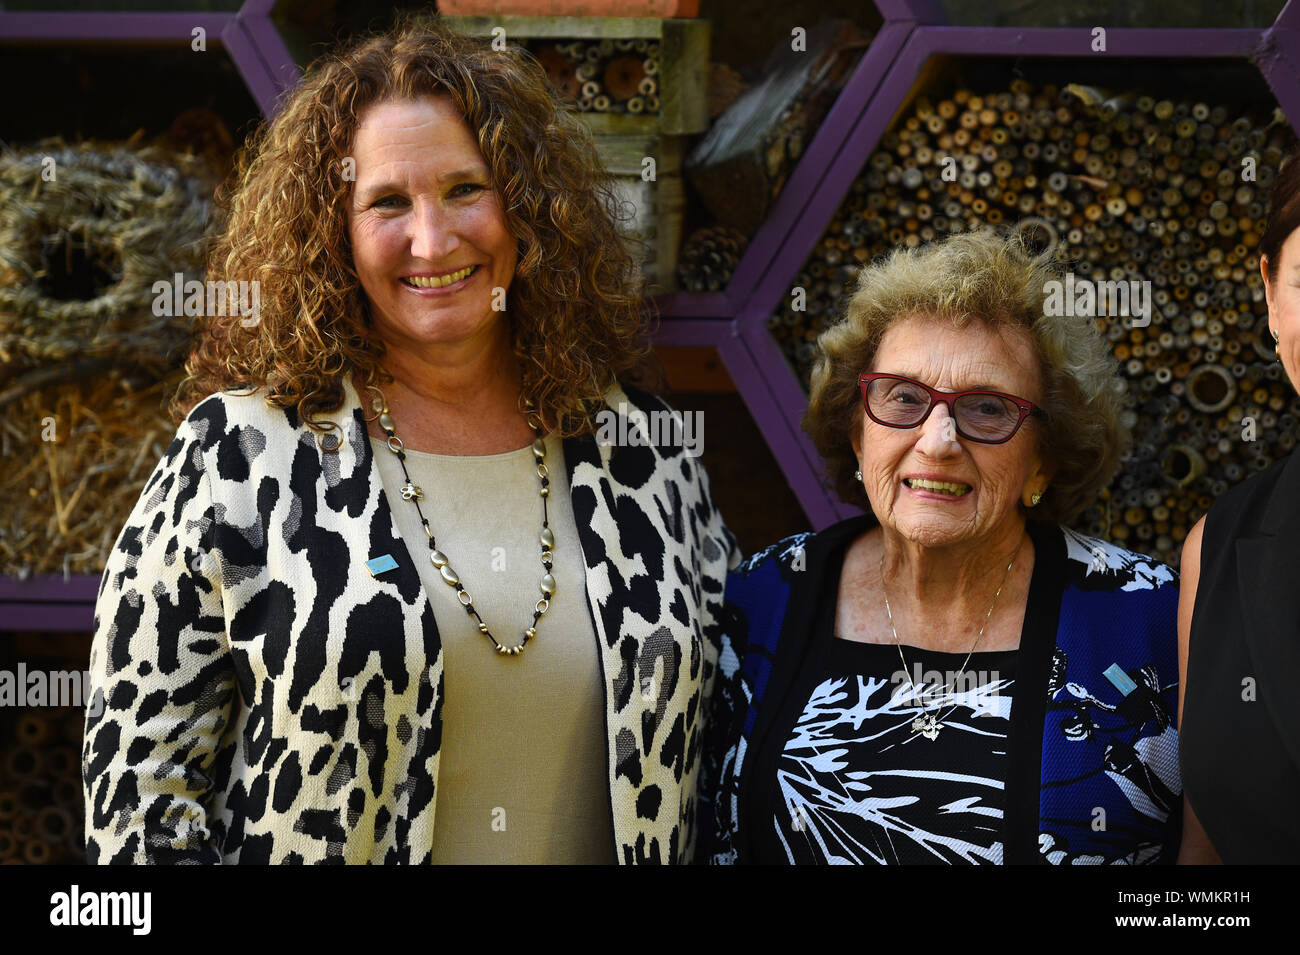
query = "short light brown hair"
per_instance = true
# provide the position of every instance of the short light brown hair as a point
(993, 278)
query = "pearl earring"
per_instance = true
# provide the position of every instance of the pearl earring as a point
(857, 475)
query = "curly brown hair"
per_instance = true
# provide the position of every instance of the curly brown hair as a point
(578, 315)
(977, 276)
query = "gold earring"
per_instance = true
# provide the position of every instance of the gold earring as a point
(1037, 496)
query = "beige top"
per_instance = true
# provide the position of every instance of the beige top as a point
(523, 772)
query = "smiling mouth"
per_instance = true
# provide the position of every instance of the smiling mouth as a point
(940, 487)
(440, 281)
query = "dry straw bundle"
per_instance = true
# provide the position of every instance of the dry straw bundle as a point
(85, 231)
(73, 459)
(86, 367)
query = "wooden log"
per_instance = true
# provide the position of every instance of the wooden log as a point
(561, 70)
(725, 84)
(623, 77)
(739, 166)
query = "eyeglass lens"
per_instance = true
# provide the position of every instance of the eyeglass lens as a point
(903, 404)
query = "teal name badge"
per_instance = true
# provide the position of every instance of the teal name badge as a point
(377, 565)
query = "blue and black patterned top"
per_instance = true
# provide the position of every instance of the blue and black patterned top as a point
(1089, 757)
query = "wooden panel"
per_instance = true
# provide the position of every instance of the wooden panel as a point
(694, 369)
(658, 205)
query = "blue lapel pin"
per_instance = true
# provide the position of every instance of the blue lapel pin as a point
(1119, 679)
(377, 565)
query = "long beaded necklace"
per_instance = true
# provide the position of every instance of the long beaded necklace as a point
(413, 493)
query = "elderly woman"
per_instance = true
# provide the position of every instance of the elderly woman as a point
(386, 598)
(955, 677)
(1239, 644)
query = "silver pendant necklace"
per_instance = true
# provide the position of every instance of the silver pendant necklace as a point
(413, 493)
(928, 724)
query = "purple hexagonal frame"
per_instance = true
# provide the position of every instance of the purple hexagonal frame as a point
(249, 36)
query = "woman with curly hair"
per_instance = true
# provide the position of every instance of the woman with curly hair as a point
(386, 567)
(955, 677)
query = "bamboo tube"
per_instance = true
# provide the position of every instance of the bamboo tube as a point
(53, 824)
(36, 852)
(23, 763)
(67, 795)
(61, 762)
(34, 728)
(33, 797)
(74, 727)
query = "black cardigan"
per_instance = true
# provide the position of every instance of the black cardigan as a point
(1240, 745)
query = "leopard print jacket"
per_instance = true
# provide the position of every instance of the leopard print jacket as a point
(236, 609)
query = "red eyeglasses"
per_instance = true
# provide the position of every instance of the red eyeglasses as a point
(989, 417)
